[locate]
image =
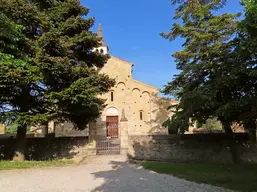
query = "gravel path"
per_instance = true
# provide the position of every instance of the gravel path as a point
(101, 174)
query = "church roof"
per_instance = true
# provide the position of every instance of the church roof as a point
(117, 58)
(144, 84)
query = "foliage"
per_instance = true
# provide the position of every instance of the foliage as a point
(62, 81)
(246, 49)
(12, 128)
(208, 83)
(217, 64)
(176, 124)
(211, 123)
(228, 176)
(47, 67)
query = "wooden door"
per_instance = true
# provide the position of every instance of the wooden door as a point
(112, 123)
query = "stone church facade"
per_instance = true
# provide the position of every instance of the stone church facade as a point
(130, 100)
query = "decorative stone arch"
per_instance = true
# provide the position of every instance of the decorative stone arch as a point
(121, 86)
(146, 96)
(112, 122)
(136, 89)
(146, 105)
(112, 111)
(136, 94)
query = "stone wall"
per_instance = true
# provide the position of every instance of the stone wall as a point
(67, 129)
(211, 148)
(47, 147)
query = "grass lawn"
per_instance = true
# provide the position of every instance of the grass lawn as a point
(236, 177)
(4, 165)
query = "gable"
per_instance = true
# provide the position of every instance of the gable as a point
(117, 68)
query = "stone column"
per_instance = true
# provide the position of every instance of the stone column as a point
(51, 127)
(2, 131)
(123, 133)
(92, 138)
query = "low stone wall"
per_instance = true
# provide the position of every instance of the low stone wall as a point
(66, 129)
(211, 148)
(46, 147)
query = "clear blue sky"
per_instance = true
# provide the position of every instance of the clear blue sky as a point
(131, 29)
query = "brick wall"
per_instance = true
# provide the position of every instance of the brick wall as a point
(46, 148)
(211, 148)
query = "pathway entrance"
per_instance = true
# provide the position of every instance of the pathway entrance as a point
(109, 144)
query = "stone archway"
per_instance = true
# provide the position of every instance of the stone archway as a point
(112, 111)
(110, 144)
(112, 122)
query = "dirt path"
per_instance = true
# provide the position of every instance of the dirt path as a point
(101, 174)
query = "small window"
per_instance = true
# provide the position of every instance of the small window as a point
(141, 115)
(112, 98)
(101, 51)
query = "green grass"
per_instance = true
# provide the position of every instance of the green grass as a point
(236, 177)
(6, 165)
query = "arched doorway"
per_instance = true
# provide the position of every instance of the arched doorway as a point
(112, 122)
(110, 144)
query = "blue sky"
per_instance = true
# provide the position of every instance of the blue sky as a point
(131, 29)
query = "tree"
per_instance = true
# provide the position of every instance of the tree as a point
(16, 71)
(205, 50)
(209, 72)
(178, 123)
(246, 42)
(60, 80)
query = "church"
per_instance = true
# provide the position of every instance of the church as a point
(130, 100)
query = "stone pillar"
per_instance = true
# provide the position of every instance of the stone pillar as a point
(51, 127)
(92, 138)
(2, 131)
(123, 133)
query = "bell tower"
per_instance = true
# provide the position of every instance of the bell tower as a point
(103, 49)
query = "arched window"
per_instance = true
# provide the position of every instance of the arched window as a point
(112, 96)
(101, 51)
(141, 115)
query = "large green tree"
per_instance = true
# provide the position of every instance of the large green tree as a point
(200, 85)
(16, 76)
(59, 78)
(209, 72)
(246, 46)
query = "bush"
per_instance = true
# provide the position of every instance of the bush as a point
(211, 124)
(12, 128)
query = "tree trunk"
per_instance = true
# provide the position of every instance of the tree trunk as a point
(251, 127)
(232, 142)
(20, 141)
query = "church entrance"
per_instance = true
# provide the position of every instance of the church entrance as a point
(110, 144)
(112, 123)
